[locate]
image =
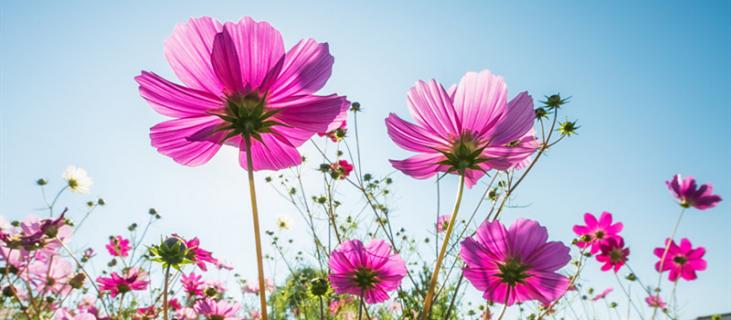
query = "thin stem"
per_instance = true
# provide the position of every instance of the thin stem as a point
(322, 308)
(445, 243)
(360, 308)
(165, 294)
(664, 255)
(257, 235)
(91, 280)
(629, 297)
(505, 306)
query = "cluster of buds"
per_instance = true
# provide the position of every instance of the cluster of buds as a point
(337, 170)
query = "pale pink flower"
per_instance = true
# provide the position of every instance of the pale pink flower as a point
(470, 128)
(240, 81)
(443, 223)
(683, 261)
(656, 302)
(51, 276)
(516, 264)
(690, 195)
(369, 271)
(217, 310)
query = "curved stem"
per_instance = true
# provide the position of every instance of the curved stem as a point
(664, 255)
(629, 297)
(88, 276)
(505, 306)
(257, 236)
(165, 294)
(445, 243)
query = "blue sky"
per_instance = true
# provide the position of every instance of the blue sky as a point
(649, 83)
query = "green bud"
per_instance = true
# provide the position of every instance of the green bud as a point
(319, 286)
(568, 128)
(77, 281)
(41, 182)
(355, 106)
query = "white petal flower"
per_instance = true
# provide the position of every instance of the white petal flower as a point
(77, 179)
(284, 223)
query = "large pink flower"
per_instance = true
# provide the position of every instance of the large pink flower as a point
(51, 276)
(217, 310)
(471, 127)
(239, 81)
(690, 195)
(683, 261)
(517, 264)
(370, 271)
(132, 279)
(596, 232)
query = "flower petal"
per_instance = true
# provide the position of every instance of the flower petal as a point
(259, 47)
(413, 137)
(272, 153)
(480, 101)
(431, 107)
(307, 113)
(174, 100)
(420, 166)
(188, 52)
(189, 141)
(517, 121)
(307, 67)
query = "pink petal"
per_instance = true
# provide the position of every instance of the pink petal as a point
(480, 101)
(420, 166)
(188, 51)
(431, 107)
(307, 67)
(550, 257)
(272, 153)
(307, 113)
(189, 141)
(225, 61)
(494, 237)
(413, 137)
(259, 47)
(517, 121)
(174, 100)
(525, 237)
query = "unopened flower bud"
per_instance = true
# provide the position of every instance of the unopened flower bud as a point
(77, 281)
(41, 182)
(9, 291)
(319, 286)
(355, 106)
(568, 128)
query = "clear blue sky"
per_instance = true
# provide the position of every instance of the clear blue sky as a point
(650, 84)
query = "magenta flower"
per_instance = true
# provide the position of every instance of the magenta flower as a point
(192, 284)
(199, 255)
(597, 232)
(683, 261)
(369, 271)
(656, 302)
(217, 310)
(341, 169)
(517, 264)
(118, 246)
(471, 128)
(443, 223)
(239, 82)
(689, 195)
(133, 279)
(613, 254)
(602, 295)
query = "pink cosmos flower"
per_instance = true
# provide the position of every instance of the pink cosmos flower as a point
(132, 279)
(147, 313)
(689, 195)
(118, 246)
(253, 286)
(597, 232)
(341, 169)
(192, 284)
(683, 261)
(656, 302)
(443, 223)
(369, 271)
(471, 127)
(199, 255)
(51, 276)
(174, 304)
(186, 314)
(217, 310)
(337, 130)
(240, 81)
(613, 254)
(516, 264)
(602, 295)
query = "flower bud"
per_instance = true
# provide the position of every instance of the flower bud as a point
(171, 252)
(41, 182)
(9, 291)
(77, 281)
(319, 286)
(355, 106)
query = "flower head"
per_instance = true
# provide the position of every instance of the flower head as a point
(77, 179)
(130, 280)
(470, 128)
(613, 254)
(118, 246)
(192, 283)
(51, 276)
(516, 264)
(217, 310)
(683, 261)
(656, 302)
(198, 255)
(597, 231)
(690, 195)
(341, 169)
(284, 223)
(369, 271)
(443, 222)
(602, 294)
(240, 85)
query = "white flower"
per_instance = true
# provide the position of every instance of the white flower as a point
(77, 179)
(284, 223)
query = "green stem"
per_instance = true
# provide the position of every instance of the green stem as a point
(257, 235)
(165, 294)
(664, 255)
(445, 243)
